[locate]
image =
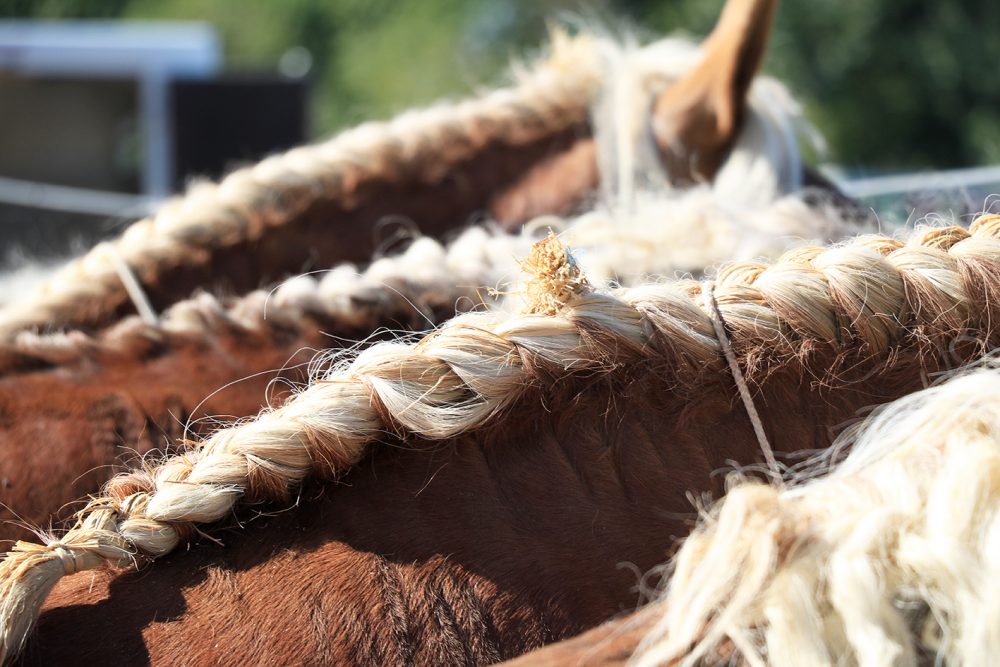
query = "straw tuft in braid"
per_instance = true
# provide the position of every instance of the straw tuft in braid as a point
(555, 277)
(473, 368)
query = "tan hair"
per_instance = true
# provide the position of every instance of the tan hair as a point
(867, 295)
(422, 283)
(890, 559)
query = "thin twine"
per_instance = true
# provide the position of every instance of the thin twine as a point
(67, 556)
(131, 284)
(718, 323)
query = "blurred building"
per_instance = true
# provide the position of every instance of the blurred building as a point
(101, 119)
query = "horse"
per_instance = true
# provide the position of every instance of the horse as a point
(492, 478)
(138, 384)
(883, 556)
(512, 154)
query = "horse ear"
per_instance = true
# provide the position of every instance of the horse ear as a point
(695, 121)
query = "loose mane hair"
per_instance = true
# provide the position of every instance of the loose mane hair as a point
(860, 301)
(764, 164)
(887, 559)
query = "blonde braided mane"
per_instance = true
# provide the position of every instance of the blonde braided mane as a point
(422, 285)
(425, 283)
(871, 295)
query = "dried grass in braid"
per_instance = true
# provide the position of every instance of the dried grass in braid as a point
(872, 294)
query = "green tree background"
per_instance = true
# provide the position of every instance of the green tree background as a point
(892, 84)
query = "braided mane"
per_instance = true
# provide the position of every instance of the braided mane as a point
(417, 287)
(869, 297)
(664, 235)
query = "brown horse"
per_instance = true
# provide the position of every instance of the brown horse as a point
(556, 461)
(132, 388)
(511, 155)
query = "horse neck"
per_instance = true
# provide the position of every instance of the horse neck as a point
(521, 533)
(507, 538)
(64, 430)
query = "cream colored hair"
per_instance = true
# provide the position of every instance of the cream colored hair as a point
(891, 559)
(871, 294)
(764, 164)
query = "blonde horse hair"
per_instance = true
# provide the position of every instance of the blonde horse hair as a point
(424, 281)
(764, 164)
(870, 295)
(889, 559)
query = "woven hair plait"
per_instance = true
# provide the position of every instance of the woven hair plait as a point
(421, 284)
(872, 294)
(663, 235)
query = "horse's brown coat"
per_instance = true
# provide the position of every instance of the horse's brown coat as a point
(465, 552)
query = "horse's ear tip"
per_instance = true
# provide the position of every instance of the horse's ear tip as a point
(701, 113)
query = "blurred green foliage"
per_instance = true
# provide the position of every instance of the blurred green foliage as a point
(892, 84)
